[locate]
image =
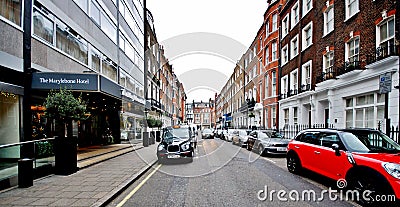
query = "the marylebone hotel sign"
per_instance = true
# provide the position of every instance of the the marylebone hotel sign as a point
(72, 81)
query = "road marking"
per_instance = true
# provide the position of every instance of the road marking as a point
(269, 160)
(138, 187)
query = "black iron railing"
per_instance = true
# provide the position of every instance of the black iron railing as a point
(383, 52)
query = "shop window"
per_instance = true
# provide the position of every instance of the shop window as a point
(11, 10)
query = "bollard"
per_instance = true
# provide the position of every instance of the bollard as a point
(145, 139)
(25, 173)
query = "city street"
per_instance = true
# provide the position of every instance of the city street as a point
(223, 174)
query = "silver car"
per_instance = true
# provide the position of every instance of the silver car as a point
(267, 142)
(240, 137)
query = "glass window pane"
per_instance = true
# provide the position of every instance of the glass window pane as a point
(349, 118)
(360, 101)
(70, 42)
(43, 26)
(391, 28)
(96, 57)
(359, 118)
(381, 98)
(11, 10)
(349, 102)
(369, 117)
(383, 31)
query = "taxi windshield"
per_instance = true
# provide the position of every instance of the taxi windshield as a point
(176, 133)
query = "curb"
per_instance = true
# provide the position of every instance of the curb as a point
(113, 194)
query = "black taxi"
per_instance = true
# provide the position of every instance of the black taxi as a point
(177, 143)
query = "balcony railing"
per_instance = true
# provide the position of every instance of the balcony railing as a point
(348, 66)
(328, 74)
(382, 53)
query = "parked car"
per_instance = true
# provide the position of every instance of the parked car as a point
(218, 133)
(339, 154)
(240, 137)
(229, 135)
(176, 143)
(207, 134)
(267, 142)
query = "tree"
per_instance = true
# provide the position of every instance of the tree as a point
(64, 108)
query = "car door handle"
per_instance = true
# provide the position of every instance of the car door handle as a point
(297, 147)
(317, 152)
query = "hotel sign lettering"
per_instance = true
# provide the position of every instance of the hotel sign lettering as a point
(65, 80)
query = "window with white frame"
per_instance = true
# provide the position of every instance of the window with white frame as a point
(295, 115)
(273, 116)
(274, 22)
(386, 36)
(352, 50)
(285, 55)
(260, 64)
(284, 86)
(307, 36)
(285, 26)
(365, 111)
(328, 64)
(329, 20)
(306, 76)
(351, 8)
(266, 91)
(266, 55)
(274, 51)
(294, 15)
(294, 47)
(267, 28)
(273, 83)
(307, 6)
(294, 81)
(286, 116)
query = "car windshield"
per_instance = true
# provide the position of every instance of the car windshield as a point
(270, 134)
(352, 143)
(179, 133)
(208, 131)
(377, 142)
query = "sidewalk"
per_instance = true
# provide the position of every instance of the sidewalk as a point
(90, 186)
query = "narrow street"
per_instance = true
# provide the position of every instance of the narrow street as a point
(223, 174)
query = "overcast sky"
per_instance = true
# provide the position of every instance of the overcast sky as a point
(221, 24)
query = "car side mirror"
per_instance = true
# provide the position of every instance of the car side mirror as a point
(336, 148)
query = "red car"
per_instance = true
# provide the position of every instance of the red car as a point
(339, 155)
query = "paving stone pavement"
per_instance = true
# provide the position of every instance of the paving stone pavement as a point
(92, 186)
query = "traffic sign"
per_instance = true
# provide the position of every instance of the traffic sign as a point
(385, 83)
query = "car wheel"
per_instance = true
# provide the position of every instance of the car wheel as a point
(373, 183)
(261, 150)
(293, 163)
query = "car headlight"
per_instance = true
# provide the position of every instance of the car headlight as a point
(185, 146)
(160, 147)
(392, 168)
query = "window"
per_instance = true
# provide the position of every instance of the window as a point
(274, 50)
(386, 36)
(273, 83)
(353, 50)
(306, 76)
(96, 57)
(70, 42)
(95, 11)
(307, 36)
(273, 116)
(266, 55)
(285, 55)
(284, 86)
(43, 25)
(294, 45)
(307, 6)
(109, 68)
(294, 17)
(267, 28)
(266, 91)
(328, 65)
(286, 116)
(294, 80)
(83, 4)
(328, 20)
(11, 10)
(285, 26)
(367, 111)
(274, 22)
(295, 115)
(351, 8)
